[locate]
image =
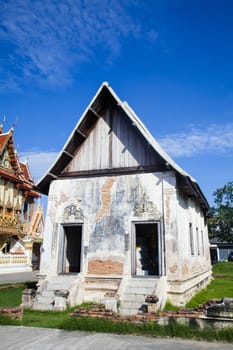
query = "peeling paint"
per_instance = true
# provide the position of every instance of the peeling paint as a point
(185, 269)
(105, 198)
(173, 268)
(108, 207)
(63, 198)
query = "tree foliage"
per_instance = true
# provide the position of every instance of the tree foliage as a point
(221, 223)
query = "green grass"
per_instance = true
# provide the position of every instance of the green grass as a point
(170, 307)
(224, 268)
(62, 320)
(6, 321)
(44, 319)
(218, 288)
(11, 296)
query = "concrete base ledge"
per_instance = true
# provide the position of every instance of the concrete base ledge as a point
(180, 292)
(15, 269)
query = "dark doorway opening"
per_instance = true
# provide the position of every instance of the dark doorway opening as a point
(72, 249)
(36, 255)
(146, 249)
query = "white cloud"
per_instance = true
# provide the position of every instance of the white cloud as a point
(45, 40)
(214, 139)
(39, 162)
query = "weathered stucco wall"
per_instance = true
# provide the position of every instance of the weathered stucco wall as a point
(197, 258)
(108, 206)
(193, 269)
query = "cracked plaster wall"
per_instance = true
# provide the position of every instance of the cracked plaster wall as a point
(109, 205)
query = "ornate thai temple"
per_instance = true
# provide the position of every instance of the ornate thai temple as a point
(21, 217)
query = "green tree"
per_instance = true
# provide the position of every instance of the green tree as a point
(221, 223)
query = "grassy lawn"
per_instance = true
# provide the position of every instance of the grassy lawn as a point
(218, 288)
(223, 268)
(11, 296)
(221, 286)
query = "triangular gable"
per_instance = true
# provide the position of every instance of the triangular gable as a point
(25, 171)
(92, 123)
(115, 144)
(8, 157)
(10, 166)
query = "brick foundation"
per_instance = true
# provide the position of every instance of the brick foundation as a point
(105, 267)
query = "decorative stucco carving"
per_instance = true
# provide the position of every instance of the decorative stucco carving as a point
(145, 208)
(72, 213)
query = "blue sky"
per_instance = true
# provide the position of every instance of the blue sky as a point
(172, 61)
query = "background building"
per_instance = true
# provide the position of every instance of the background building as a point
(21, 218)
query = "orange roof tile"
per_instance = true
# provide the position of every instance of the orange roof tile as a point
(26, 172)
(3, 140)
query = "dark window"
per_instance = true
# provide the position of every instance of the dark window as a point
(191, 238)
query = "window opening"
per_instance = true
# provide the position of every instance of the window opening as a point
(191, 238)
(198, 242)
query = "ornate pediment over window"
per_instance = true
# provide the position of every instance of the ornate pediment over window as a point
(145, 208)
(72, 213)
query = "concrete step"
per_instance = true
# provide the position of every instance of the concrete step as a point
(45, 300)
(61, 282)
(42, 306)
(55, 286)
(48, 293)
(95, 288)
(100, 287)
(135, 297)
(63, 278)
(143, 282)
(132, 303)
(135, 293)
(140, 290)
(102, 283)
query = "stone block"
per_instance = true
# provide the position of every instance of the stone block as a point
(61, 299)
(28, 296)
(110, 303)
